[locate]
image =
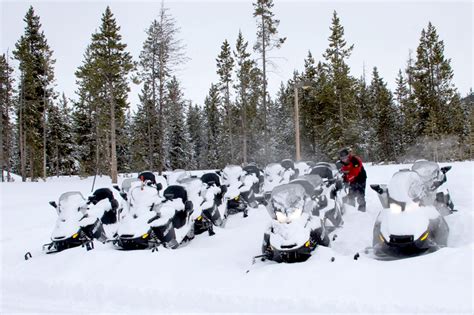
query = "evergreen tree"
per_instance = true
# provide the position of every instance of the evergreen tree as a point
(212, 127)
(177, 137)
(242, 85)
(60, 146)
(225, 65)
(267, 39)
(385, 122)
(195, 127)
(6, 126)
(36, 67)
(162, 53)
(104, 77)
(342, 131)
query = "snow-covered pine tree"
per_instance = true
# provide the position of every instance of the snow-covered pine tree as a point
(178, 139)
(60, 145)
(267, 39)
(385, 121)
(225, 65)
(6, 125)
(162, 54)
(343, 110)
(36, 67)
(195, 127)
(212, 128)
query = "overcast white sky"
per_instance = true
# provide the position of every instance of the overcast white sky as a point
(382, 32)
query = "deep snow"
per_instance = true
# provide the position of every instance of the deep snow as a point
(209, 275)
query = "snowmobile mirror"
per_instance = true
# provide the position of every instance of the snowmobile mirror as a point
(159, 186)
(116, 187)
(53, 204)
(445, 169)
(377, 188)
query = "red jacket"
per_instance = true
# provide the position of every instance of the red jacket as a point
(353, 170)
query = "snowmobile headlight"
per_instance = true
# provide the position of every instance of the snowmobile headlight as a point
(381, 238)
(395, 208)
(307, 244)
(199, 218)
(145, 235)
(236, 198)
(424, 236)
(75, 235)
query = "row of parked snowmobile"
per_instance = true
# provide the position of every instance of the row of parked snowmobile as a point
(305, 201)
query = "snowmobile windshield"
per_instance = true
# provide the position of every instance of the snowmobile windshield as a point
(193, 186)
(324, 171)
(273, 170)
(71, 201)
(231, 174)
(428, 170)
(143, 197)
(175, 176)
(288, 198)
(128, 183)
(406, 186)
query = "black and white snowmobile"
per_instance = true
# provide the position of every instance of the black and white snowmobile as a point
(434, 178)
(293, 232)
(172, 225)
(106, 204)
(332, 193)
(213, 209)
(239, 194)
(134, 231)
(74, 226)
(406, 226)
(253, 170)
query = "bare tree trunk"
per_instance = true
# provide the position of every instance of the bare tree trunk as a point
(44, 134)
(244, 132)
(229, 122)
(22, 136)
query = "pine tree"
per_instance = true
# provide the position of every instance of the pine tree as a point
(104, 86)
(343, 109)
(177, 137)
(162, 53)
(195, 127)
(60, 139)
(212, 127)
(385, 121)
(6, 106)
(36, 68)
(242, 85)
(267, 39)
(225, 65)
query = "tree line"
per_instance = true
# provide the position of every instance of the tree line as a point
(45, 133)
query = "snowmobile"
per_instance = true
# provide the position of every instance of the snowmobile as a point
(434, 178)
(239, 194)
(204, 207)
(106, 204)
(290, 172)
(332, 193)
(293, 232)
(134, 231)
(75, 226)
(406, 226)
(172, 225)
(250, 170)
(213, 210)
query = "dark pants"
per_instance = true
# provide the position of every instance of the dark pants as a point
(357, 192)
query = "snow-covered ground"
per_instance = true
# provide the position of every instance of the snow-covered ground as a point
(209, 275)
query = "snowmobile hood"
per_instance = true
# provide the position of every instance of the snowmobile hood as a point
(406, 186)
(295, 234)
(414, 221)
(135, 225)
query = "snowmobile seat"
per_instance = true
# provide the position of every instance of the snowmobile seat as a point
(174, 192)
(211, 179)
(147, 176)
(100, 194)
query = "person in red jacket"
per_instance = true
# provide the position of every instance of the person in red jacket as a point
(355, 176)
